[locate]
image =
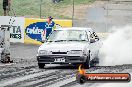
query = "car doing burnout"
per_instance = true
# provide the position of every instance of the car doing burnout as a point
(70, 46)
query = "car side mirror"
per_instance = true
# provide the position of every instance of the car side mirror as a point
(92, 40)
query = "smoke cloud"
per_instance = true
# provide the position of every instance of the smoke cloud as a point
(117, 48)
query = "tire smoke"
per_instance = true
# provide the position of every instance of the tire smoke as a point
(117, 48)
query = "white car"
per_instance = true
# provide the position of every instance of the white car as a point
(70, 46)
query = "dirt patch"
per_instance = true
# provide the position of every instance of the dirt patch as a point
(79, 11)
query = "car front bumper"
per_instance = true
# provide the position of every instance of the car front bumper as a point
(50, 59)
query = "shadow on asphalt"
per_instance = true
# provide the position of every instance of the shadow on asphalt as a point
(62, 67)
(67, 67)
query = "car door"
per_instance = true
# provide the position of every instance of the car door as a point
(98, 43)
(94, 45)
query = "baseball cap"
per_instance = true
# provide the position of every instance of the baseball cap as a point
(50, 17)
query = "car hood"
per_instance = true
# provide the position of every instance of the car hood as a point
(63, 46)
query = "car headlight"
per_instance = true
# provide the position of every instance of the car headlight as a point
(42, 52)
(76, 52)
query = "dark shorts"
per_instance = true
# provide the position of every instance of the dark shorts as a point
(5, 4)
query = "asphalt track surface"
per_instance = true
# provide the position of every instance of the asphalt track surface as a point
(24, 72)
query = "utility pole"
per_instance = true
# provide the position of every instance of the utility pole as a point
(107, 9)
(73, 12)
(40, 8)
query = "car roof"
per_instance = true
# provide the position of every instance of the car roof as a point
(75, 28)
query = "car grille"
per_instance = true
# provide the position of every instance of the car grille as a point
(59, 52)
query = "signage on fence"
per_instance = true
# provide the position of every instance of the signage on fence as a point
(37, 30)
(16, 26)
(29, 30)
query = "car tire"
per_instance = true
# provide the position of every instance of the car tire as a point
(41, 65)
(87, 63)
(81, 79)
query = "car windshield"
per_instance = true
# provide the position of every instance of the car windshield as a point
(68, 35)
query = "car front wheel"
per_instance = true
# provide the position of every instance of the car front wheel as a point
(87, 63)
(81, 78)
(41, 65)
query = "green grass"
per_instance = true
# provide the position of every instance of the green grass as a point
(31, 8)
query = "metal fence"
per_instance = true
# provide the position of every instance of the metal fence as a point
(40, 8)
(102, 15)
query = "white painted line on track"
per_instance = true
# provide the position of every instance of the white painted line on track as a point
(7, 64)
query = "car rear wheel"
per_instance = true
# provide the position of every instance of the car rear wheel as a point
(94, 62)
(41, 65)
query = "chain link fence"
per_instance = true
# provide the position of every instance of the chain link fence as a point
(59, 9)
(98, 14)
(103, 15)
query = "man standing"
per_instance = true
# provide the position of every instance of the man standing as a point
(6, 7)
(49, 26)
